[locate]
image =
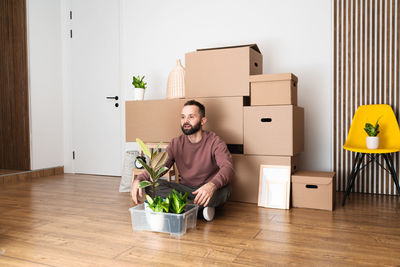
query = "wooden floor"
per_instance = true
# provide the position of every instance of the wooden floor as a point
(81, 220)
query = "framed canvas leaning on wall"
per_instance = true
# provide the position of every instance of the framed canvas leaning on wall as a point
(274, 186)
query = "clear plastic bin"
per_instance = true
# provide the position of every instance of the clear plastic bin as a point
(174, 224)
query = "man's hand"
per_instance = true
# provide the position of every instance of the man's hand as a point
(136, 192)
(204, 194)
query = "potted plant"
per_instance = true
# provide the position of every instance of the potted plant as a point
(172, 214)
(140, 86)
(372, 138)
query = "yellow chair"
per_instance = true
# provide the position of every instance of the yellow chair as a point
(389, 141)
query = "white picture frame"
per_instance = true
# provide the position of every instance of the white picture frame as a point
(274, 186)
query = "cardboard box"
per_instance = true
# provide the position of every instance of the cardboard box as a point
(274, 186)
(153, 120)
(273, 89)
(224, 117)
(314, 190)
(247, 172)
(222, 71)
(273, 130)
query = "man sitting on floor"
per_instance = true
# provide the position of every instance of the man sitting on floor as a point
(203, 161)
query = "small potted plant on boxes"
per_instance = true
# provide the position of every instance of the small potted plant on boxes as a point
(140, 86)
(172, 214)
(372, 138)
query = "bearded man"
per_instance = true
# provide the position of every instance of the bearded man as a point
(203, 160)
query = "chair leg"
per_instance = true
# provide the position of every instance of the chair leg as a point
(392, 170)
(353, 175)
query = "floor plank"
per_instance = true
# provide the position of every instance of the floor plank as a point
(82, 220)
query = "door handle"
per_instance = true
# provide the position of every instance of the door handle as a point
(112, 97)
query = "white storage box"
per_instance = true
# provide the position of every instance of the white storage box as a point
(274, 186)
(174, 224)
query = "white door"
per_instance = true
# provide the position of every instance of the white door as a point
(94, 74)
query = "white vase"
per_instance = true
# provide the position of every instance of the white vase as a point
(154, 219)
(372, 142)
(139, 94)
(130, 94)
(176, 82)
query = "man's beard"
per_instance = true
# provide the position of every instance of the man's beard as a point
(192, 129)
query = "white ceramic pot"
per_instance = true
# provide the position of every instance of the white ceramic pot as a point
(372, 142)
(139, 94)
(130, 94)
(154, 219)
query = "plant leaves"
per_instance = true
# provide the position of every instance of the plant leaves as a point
(159, 172)
(149, 199)
(143, 147)
(147, 167)
(144, 184)
(159, 160)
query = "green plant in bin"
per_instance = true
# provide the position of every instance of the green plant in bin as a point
(372, 130)
(138, 82)
(175, 202)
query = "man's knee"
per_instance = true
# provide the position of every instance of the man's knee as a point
(220, 196)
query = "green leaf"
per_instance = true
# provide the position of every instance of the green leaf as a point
(181, 208)
(185, 196)
(159, 172)
(158, 208)
(149, 199)
(156, 150)
(159, 160)
(147, 167)
(144, 184)
(143, 147)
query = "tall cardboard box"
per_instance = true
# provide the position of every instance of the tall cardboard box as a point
(224, 117)
(273, 89)
(247, 174)
(153, 120)
(222, 71)
(314, 190)
(273, 130)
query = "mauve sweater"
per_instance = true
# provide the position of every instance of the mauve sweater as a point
(198, 163)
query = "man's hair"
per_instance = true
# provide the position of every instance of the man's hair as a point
(201, 107)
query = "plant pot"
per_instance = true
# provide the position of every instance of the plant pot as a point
(372, 142)
(139, 94)
(154, 219)
(130, 94)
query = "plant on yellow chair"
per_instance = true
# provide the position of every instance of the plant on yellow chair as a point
(372, 131)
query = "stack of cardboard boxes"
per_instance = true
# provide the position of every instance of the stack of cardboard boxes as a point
(255, 114)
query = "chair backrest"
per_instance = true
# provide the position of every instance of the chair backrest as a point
(389, 136)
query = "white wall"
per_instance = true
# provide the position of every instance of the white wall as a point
(45, 76)
(293, 35)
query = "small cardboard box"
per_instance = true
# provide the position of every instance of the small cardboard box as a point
(274, 186)
(273, 89)
(153, 120)
(222, 71)
(247, 173)
(273, 130)
(224, 117)
(314, 190)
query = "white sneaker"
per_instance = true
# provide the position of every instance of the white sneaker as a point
(208, 213)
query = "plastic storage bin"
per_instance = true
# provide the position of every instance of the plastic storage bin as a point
(174, 224)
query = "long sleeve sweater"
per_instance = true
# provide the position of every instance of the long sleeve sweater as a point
(198, 163)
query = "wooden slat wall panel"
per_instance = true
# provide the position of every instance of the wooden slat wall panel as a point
(366, 71)
(14, 109)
